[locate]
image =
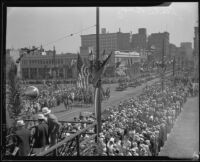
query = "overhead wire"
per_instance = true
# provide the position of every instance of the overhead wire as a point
(69, 35)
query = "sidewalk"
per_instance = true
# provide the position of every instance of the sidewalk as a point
(183, 140)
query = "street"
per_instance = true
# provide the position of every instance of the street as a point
(115, 98)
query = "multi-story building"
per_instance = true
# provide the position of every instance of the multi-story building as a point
(129, 61)
(108, 42)
(173, 50)
(196, 51)
(196, 40)
(161, 43)
(186, 49)
(126, 60)
(184, 60)
(139, 40)
(46, 65)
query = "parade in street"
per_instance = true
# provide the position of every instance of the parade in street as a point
(122, 94)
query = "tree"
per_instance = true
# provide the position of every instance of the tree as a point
(14, 98)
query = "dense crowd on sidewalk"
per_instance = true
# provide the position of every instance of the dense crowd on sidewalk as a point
(139, 126)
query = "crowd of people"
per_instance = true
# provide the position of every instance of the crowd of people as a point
(40, 137)
(138, 126)
(50, 98)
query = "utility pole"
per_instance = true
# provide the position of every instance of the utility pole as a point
(163, 66)
(54, 67)
(98, 108)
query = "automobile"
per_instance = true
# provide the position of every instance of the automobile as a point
(132, 84)
(121, 87)
(142, 80)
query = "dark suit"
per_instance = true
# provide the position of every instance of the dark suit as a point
(23, 141)
(41, 136)
(53, 128)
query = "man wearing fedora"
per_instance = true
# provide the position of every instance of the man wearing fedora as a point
(40, 135)
(53, 125)
(23, 139)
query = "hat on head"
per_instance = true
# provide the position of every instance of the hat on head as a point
(112, 139)
(20, 123)
(41, 117)
(46, 110)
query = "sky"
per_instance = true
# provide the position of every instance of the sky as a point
(36, 26)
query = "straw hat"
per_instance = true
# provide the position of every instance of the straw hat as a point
(46, 110)
(20, 123)
(112, 139)
(41, 117)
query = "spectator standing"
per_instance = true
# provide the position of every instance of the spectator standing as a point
(53, 125)
(40, 135)
(23, 139)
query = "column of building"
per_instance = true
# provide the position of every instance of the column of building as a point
(37, 73)
(29, 73)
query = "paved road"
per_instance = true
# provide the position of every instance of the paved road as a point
(116, 97)
(183, 140)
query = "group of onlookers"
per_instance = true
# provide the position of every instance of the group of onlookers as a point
(38, 138)
(138, 126)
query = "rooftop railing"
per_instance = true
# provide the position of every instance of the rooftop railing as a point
(76, 144)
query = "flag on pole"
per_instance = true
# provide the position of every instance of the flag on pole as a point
(101, 70)
(91, 56)
(87, 73)
(83, 72)
(79, 63)
(104, 55)
(79, 67)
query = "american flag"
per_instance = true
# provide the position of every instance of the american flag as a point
(83, 73)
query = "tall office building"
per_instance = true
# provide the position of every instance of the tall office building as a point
(139, 40)
(108, 41)
(161, 43)
(196, 51)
